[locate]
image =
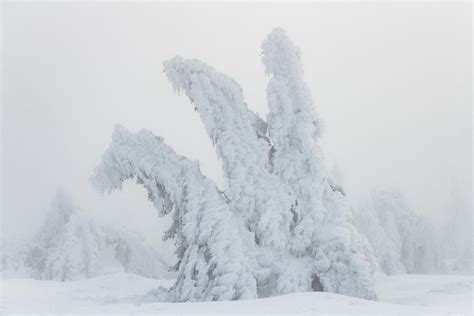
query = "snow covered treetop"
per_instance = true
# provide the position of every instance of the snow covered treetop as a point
(63, 201)
(280, 55)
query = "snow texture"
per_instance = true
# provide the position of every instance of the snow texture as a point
(121, 293)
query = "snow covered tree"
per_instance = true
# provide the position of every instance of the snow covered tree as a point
(402, 240)
(280, 226)
(241, 144)
(458, 229)
(16, 259)
(65, 248)
(70, 245)
(380, 229)
(421, 249)
(67, 245)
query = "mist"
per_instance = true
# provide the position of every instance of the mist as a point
(392, 83)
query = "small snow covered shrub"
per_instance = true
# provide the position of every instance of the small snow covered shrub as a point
(280, 226)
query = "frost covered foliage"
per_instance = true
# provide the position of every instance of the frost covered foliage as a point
(402, 240)
(280, 226)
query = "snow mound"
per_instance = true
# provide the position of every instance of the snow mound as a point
(120, 292)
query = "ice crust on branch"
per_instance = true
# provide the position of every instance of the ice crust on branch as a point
(286, 228)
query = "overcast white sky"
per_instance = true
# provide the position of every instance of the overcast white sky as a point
(391, 81)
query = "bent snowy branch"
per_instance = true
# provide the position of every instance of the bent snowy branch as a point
(213, 266)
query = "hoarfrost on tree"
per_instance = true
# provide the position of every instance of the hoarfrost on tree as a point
(280, 226)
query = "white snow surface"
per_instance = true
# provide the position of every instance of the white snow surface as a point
(122, 293)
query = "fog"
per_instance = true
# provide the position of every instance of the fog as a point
(392, 83)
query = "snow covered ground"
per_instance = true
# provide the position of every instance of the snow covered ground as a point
(119, 292)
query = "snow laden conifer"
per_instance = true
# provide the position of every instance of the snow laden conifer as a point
(70, 245)
(254, 193)
(67, 245)
(403, 241)
(421, 250)
(280, 226)
(16, 259)
(380, 229)
(458, 228)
